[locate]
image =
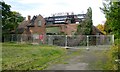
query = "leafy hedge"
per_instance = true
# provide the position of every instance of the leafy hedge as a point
(114, 55)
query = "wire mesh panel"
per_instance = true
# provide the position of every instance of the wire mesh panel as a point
(61, 40)
(79, 40)
(58, 40)
(6, 38)
(100, 40)
(35, 39)
(19, 38)
(76, 40)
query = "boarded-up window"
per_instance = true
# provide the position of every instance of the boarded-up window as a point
(35, 36)
(53, 30)
(39, 23)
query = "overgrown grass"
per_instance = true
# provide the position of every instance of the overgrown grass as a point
(28, 57)
(113, 54)
(99, 61)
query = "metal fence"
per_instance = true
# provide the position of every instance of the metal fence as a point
(80, 40)
(61, 40)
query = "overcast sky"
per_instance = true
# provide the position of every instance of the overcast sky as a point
(48, 7)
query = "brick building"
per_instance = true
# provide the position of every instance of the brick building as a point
(32, 28)
(63, 24)
(36, 25)
(66, 24)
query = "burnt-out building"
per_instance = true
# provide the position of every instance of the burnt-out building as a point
(38, 27)
(65, 19)
(32, 28)
(54, 25)
(63, 24)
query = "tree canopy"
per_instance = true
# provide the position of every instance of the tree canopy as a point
(10, 19)
(101, 28)
(112, 13)
(85, 27)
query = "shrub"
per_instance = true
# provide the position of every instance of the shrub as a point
(113, 55)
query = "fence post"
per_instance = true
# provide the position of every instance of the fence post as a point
(50, 40)
(66, 42)
(87, 43)
(12, 38)
(17, 38)
(21, 38)
(3, 38)
(96, 40)
(113, 39)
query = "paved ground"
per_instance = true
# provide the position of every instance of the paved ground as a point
(84, 60)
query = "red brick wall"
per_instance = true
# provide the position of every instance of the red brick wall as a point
(70, 28)
(38, 29)
(66, 28)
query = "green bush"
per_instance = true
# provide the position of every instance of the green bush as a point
(117, 42)
(113, 55)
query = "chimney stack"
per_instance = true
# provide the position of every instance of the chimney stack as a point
(29, 17)
(67, 14)
(72, 13)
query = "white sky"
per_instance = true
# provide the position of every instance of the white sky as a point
(48, 7)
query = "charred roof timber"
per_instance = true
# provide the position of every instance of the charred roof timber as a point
(61, 19)
(31, 24)
(65, 19)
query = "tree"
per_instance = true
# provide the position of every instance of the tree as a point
(112, 26)
(111, 11)
(101, 28)
(10, 19)
(85, 27)
(5, 14)
(15, 19)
